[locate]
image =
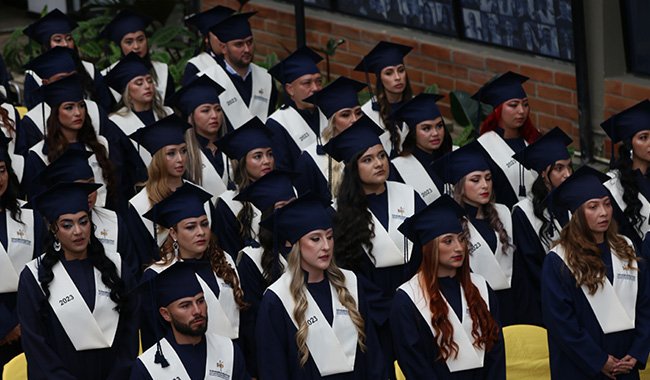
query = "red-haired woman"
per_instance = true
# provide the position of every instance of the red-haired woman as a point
(445, 319)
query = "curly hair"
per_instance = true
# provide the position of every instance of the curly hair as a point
(7, 122)
(584, 257)
(156, 184)
(528, 131)
(57, 144)
(297, 287)
(9, 199)
(353, 222)
(409, 142)
(334, 167)
(489, 213)
(385, 108)
(628, 183)
(540, 206)
(485, 330)
(217, 258)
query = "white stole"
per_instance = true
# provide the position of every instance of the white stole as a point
(90, 69)
(385, 137)
(86, 330)
(20, 248)
(17, 161)
(255, 254)
(203, 61)
(106, 227)
(414, 174)
(616, 189)
(41, 112)
(501, 153)
(526, 205)
(236, 206)
(334, 347)
(300, 132)
(140, 203)
(219, 361)
(614, 305)
(495, 267)
(388, 246)
(212, 181)
(469, 357)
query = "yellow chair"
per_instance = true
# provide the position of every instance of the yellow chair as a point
(21, 111)
(645, 374)
(398, 372)
(526, 353)
(16, 369)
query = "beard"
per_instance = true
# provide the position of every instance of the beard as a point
(187, 329)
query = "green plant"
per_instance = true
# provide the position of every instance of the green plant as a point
(19, 48)
(464, 109)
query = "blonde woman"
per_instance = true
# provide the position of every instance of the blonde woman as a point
(312, 322)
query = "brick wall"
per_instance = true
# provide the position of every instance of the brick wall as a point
(552, 92)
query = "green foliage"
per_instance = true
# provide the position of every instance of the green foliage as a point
(433, 89)
(364, 97)
(270, 61)
(465, 137)
(464, 109)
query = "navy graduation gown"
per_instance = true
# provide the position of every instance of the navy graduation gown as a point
(244, 87)
(191, 70)
(501, 185)
(416, 347)
(278, 355)
(311, 177)
(625, 226)
(578, 347)
(194, 359)
(228, 232)
(50, 353)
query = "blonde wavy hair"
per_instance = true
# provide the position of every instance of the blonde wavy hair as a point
(125, 105)
(335, 167)
(156, 184)
(297, 288)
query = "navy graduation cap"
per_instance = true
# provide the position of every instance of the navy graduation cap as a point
(299, 217)
(507, 86)
(127, 68)
(382, 55)
(301, 62)
(252, 135)
(63, 198)
(234, 27)
(4, 145)
(439, 218)
(71, 166)
(584, 184)
(361, 135)
(545, 151)
(274, 186)
(205, 20)
(200, 90)
(340, 94)
(420, 108)
(66, 89)
(627, 123)
(167, 131)
(55, 22)
(186, 202)
(457, 164)
(54, 61)
(125, 22)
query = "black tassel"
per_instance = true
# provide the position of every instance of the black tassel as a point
(522, 190)
(159, 358)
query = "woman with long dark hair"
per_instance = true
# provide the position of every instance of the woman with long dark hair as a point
(534, 229)
(10, 123)
(506, 131)
(392, 89)
(128, 30)
(594, 289)
(76, 318)
(630, 184)
(314, 320)
(427, 140)
(489, 224)
(55, 29)
(445, 319)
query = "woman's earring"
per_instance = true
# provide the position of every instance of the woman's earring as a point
(175, 245)
(57, 245)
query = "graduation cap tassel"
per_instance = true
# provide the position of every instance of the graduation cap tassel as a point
(329, 177)
(551, 227)
(522, 184)
(159, 358)
(612, 126)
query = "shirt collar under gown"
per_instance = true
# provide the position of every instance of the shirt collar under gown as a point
(482, 226)
(215, 159)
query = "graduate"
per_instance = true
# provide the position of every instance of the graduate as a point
(10, 124)
(55, 29)
(128, 31)
(630, 185)
(20, 236)
(339, 102)
(250, 149)
(249, 88)
(594, 289)
(70, 125)
(314, 321)
(187, 350)
(199, 103)
(534, 229)
(445, 319)
(506, 131)
(76, 318)
(427, 140)
(210, 51)
(190, 239)
(489, 224)
(386, 61)
(297, 124)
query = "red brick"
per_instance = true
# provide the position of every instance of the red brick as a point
(417, 88)
(287, 45)
(565, 80)
(373, 38)
(479, 76)
(347, 58)
(266, 13)
(613, 87)
(281, 29)
(445, 83)
(500, 66)
(569, 112)
(421, 62)
(530, 88)
(347, 31)
(618, 103)
(607, 113)
(312, 23)
(285, 17)
(553, 93)
(574, 98)
(468, 59)
(452, 70)
(635, 92)
(415, 75)
(539, 105)
(546, 121)
(445, 110)
(435, 51)
(261, 51)
(266, 38)
(312, 37)
(361, 77)
(257, 23)
(537, 74)
(338, 69)
(357, 47)
(408, 42)
(466, 86)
